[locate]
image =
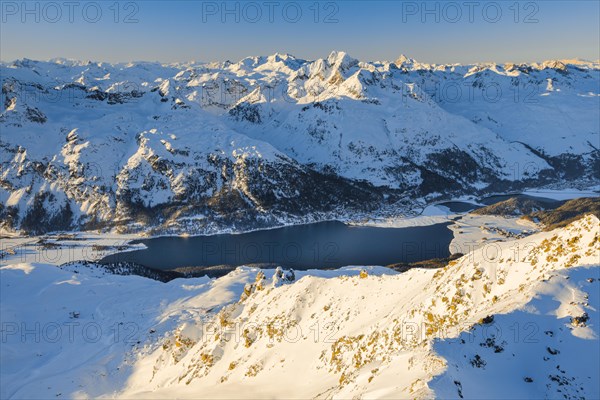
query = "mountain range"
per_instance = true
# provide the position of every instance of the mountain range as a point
(203, 147)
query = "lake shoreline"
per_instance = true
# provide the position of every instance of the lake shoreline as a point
(320, 245)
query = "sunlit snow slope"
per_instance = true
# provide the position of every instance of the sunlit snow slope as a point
(515, 319)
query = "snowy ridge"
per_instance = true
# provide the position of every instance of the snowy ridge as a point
(376, 332)
(194, 147)
(328, 334)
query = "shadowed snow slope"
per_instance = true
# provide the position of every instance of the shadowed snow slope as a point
(527, 308)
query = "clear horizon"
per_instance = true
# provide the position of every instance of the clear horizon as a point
(294, 55)
(182, 31)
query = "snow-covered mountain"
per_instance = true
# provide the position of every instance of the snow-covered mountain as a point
(268, 139)
(515, 319)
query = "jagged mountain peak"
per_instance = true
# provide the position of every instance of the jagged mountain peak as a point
(285, 63)
(341, 59)
(282, 57)
(404, 60)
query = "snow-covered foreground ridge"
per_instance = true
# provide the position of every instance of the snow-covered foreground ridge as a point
(527, 310)
(200, 146)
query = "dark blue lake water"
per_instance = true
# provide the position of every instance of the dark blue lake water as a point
(318, 245)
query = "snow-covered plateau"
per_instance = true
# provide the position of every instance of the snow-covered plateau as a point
(511, 319)
(203, 147)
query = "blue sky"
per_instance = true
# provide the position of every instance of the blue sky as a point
(440, 32)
